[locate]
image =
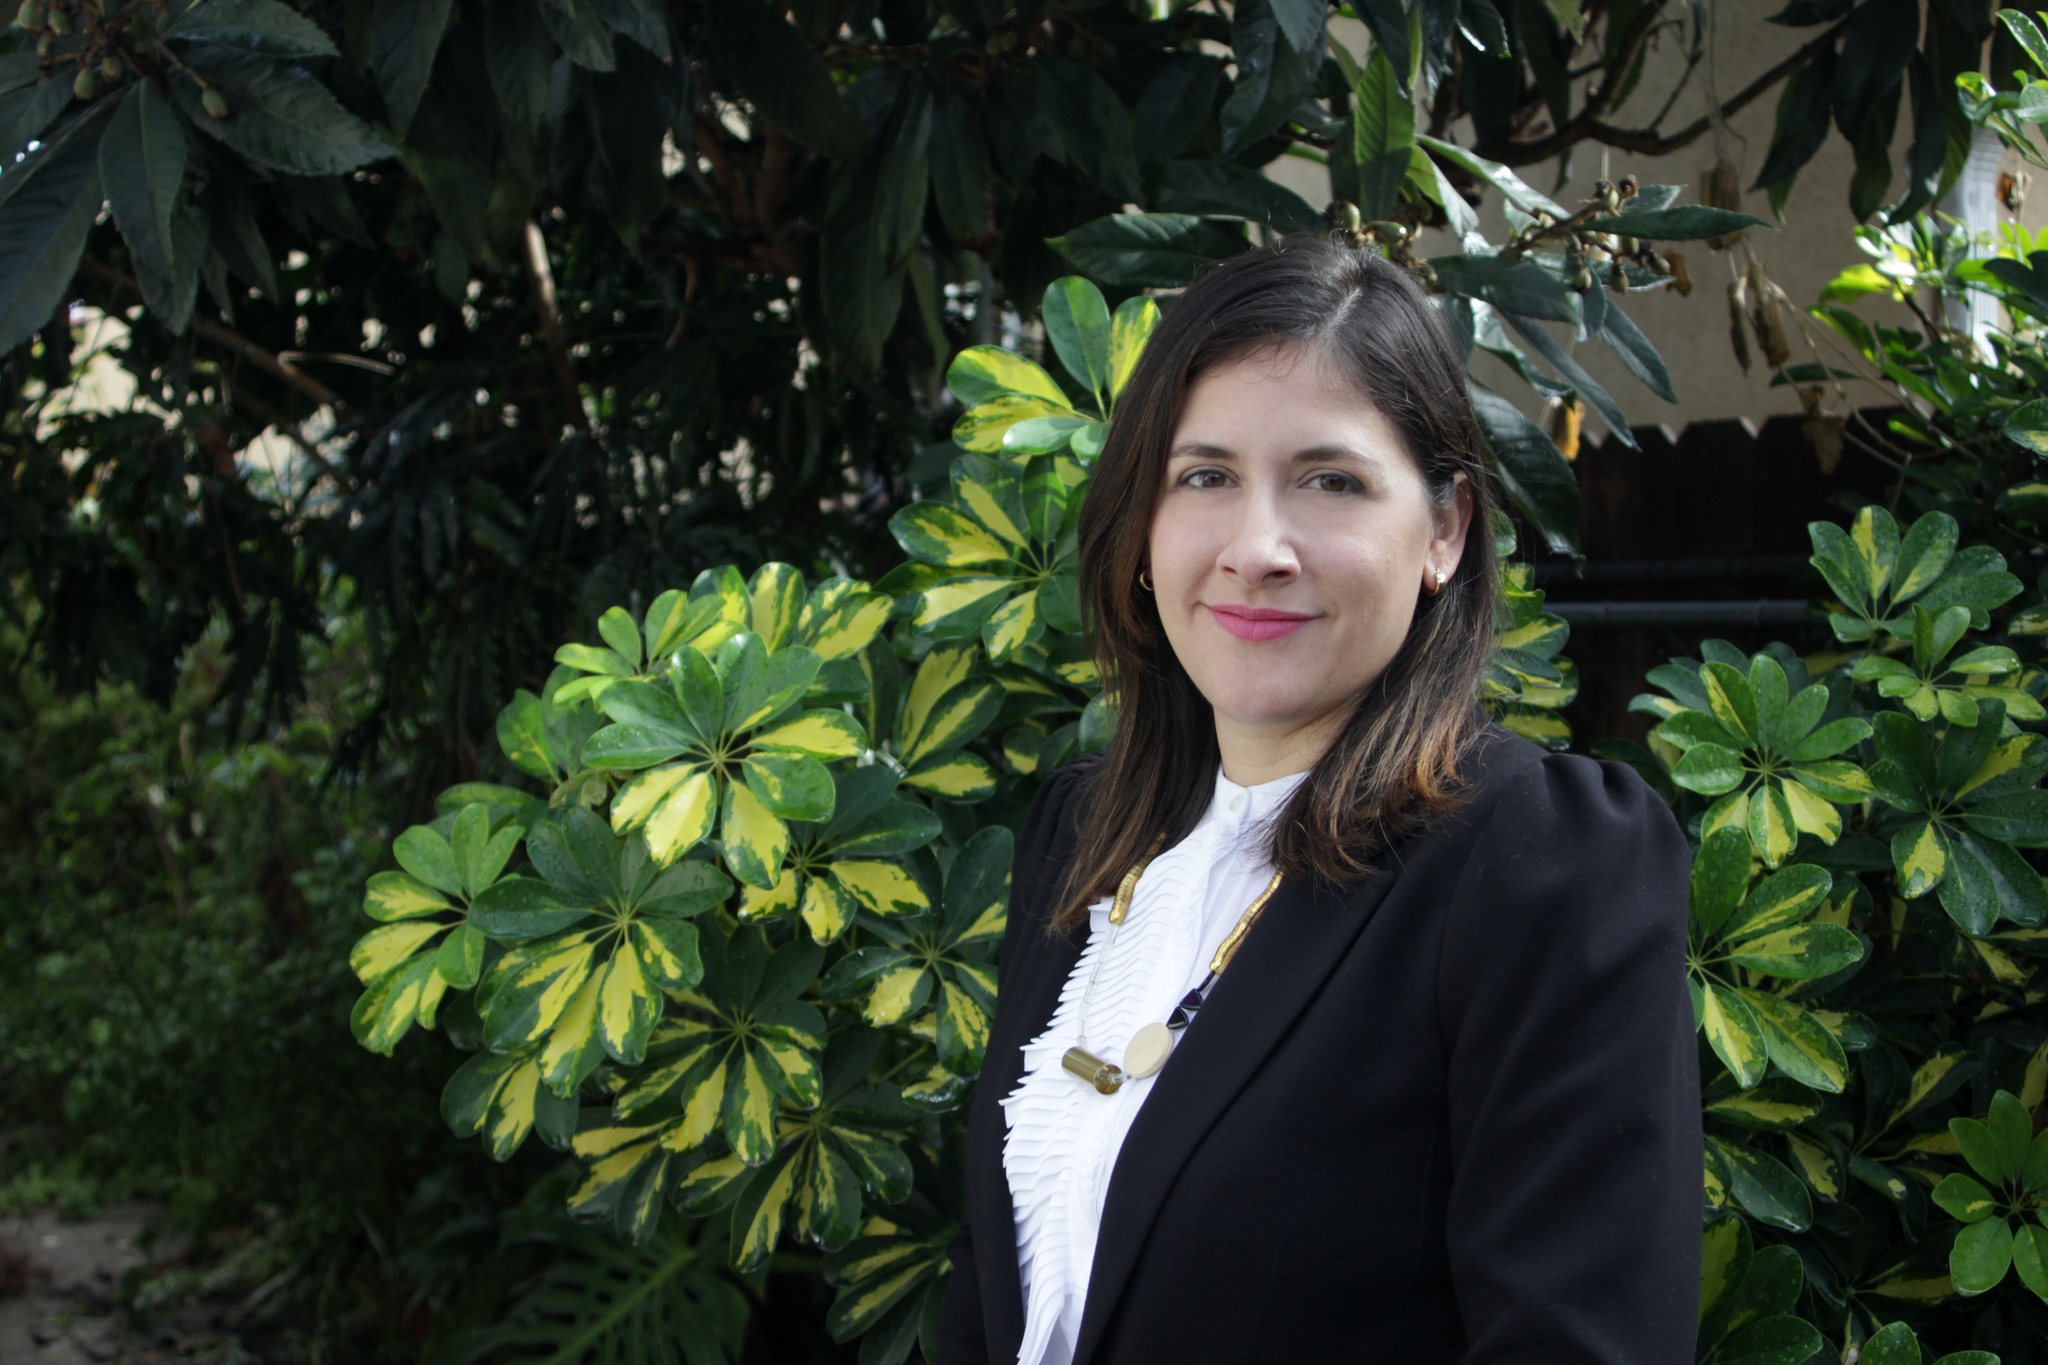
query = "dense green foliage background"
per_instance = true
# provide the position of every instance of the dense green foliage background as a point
(453, 326)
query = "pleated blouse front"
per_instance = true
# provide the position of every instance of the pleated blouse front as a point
(1063, 1137)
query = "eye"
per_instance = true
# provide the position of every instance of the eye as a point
(1210, 477)
(1331, 481)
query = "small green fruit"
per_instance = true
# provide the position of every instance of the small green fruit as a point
(29, 16)
(46, 46)
(60, 22)
(84, 85)
(1582, 279)
(215, 102)
(111, 68)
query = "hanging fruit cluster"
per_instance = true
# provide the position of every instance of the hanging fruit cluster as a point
(103, 44)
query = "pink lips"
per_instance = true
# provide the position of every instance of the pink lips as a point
(1259, 623)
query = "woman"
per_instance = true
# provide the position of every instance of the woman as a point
(1336, 1023)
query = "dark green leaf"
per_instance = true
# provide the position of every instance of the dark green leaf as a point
(278, 116)
(782, 75)
(1162, 250)
(405, 35)
(253, 25)
(1535, 476)
(43, 226)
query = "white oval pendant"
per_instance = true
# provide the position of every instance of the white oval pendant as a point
(1149, 1048)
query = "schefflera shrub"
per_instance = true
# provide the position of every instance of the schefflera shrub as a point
(1867, 924)
(731, 939)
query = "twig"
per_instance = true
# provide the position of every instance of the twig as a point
(1586, 125)
(544, 302)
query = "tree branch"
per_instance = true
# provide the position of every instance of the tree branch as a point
(236, 343)
(544, 302)
(1586, 126)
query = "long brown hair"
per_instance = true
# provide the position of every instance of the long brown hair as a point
(1398, 757)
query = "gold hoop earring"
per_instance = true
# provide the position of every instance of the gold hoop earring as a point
(1439, 584)
(1145, 580)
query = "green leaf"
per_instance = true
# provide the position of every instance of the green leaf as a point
(405, 35)
(1686, 223)
(1140, 250)
(1709, 769)
(1801, 952)
(793, 786)
(1077, 323)
(1764, 1186)
(43, 226)
(1734, 1033)
(1981, 1255)
(1513, 285)
(782, 76)
(1965, 1198)
(142, 167)
(2030, 1259)
(1720, 875)
(1535, 476)
(279, 117)
(1799, 1044)
(1383, 134)
(262, 26)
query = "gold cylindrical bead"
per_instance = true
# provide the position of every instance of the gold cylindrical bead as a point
(1104, 1076)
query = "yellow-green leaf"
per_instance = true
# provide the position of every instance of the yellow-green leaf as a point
(827, 909)
(962, 777)
(849, 629)
(1818, 1165)
(957, 596)
(1129, 330)
(1770, 824)
(750, 1112)
(573, 1050)
(384, 947)
(981, 373)
(774, 599)
(1734, 1034)
(819, 733)
(626, 1006)
(397, 896)
(981, 428)
(758, 1237)
(1811, 813)
(754, 837)
(700, 1113)
(1922, 861)
(1014, 625)
(885, 888)
(892, 995)
(759, 903)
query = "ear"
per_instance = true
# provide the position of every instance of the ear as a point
(1453, 524)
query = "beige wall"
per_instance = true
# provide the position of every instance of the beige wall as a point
(1806, 250)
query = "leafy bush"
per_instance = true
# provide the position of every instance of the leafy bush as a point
(737, 954)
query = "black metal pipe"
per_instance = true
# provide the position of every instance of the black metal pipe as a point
(1648, 615)
(1728, 569)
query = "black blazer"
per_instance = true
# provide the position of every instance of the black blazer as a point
(1450, 1113)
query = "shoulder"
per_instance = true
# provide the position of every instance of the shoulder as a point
(1519, 795)
(1569, 852)
(1049, 819)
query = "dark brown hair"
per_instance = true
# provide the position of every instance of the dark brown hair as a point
(1398, 757)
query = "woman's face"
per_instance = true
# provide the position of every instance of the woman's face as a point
(1291, 541)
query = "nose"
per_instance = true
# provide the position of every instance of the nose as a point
(1260, 551)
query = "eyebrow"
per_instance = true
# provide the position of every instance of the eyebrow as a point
(1202, 450)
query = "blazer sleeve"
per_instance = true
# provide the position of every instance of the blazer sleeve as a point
(1573, 1225)
(1035, 870)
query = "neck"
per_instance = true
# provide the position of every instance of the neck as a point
(1254, 754)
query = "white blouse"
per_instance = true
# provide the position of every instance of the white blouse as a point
(1063, 1136)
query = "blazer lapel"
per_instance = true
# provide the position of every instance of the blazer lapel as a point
(1284, 961)
(1028, 991)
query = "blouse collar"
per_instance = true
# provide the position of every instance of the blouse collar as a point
(1234, 807)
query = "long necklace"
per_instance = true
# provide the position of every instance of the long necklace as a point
(1153, 1043)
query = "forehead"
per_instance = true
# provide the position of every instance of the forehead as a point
(1283, 399)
